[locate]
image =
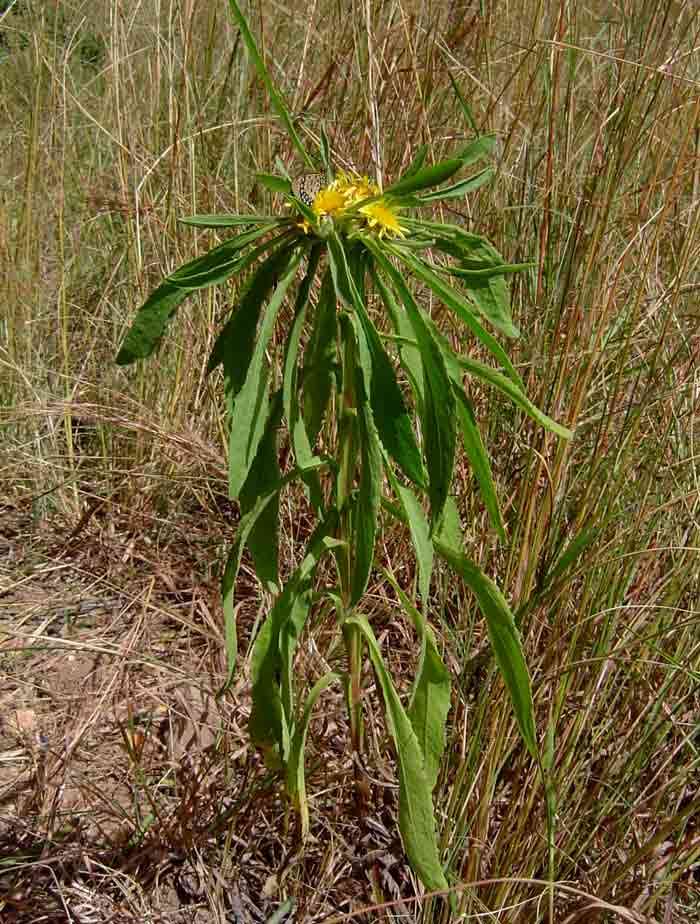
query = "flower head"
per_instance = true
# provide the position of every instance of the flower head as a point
(381, 216)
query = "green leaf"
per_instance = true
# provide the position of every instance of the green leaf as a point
(366, 506)
(220, 262)
(233, 564)
(389, 413)
(506, 386)
(263, 540)
(277, 184)
(230, 221)
(154, 315)
(479, 460)
(416, 163)
(281, 915)
(456, 303)
(430, 699)
(439, 423)
(271, 718)
(149, 325)
(301, 445)
(325, 152)
(234, 345)
(438, 173)
(249, 409)
(461, 189)
(505, 639)
(320, 360)
(296, 779)
(449, 530)
(275, 98)
(409, 354)
(420, 534)
(416, 815)
(483, 272)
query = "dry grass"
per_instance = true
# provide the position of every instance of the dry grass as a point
(127, 789)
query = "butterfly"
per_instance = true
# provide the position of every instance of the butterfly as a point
(307, 187)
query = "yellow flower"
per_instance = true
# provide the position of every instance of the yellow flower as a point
(380, 215)
(329, 201)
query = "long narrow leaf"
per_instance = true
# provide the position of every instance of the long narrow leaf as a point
(263, 540)
(320, 360)
(248, 413)
(420, 534)
(479, 460)
(233, 563)
(438, 173)
(230, 221)
(430, 699)
(391, 418)
(439, 430)
(301, 444)
(296, 778)
(505, 639)
(456, 303)
(234, 345)
(220, 262)
(518, 397)
(416, 815)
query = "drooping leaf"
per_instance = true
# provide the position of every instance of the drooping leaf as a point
(464, 311)
(504, 636)
(409, 354)
(479, 460)
(430, 698)
(439, 412)
(301, 443)
(416, 163)
(516, 395)
(149, 325)
(391, 418)
(320, 360)
(271, 720)
(234, 345)
(278, 184)
(416, 814)
(275, 98)
(296, 778)
(263, 541)
(220, 262)
(233, 563)
(249, 410)
(464, 105)
(366, 505)
(420, 533)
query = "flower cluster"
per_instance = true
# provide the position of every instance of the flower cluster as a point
(347, 191)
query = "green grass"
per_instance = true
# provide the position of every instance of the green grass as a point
(114, 123)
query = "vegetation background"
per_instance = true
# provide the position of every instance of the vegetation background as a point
(125, 787)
